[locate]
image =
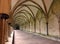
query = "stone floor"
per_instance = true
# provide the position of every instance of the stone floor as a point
(29, 38)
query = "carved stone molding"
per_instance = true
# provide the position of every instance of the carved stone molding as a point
(4, 16)
(9, 23)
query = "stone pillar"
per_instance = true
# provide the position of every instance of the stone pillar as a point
(6, 31)
(3, 18)
(34, 25)
(9, 30)
(5, 6)
(39, 27)
(2, 31)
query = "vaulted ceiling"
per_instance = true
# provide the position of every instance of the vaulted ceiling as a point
(25, 11)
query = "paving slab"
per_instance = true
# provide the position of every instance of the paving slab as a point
(22, 37)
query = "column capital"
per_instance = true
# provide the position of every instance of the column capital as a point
(4, 16)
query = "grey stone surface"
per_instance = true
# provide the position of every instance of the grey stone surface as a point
(28, 38)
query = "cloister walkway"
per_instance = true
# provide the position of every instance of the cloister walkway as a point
(22, 37)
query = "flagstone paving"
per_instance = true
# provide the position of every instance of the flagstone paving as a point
(22, 37)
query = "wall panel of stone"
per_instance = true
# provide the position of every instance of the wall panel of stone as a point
(37, 27)
(53, 26)
(43, 26)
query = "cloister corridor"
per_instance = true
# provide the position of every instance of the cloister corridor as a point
(29, 38)
(29, 21)
(22, 37)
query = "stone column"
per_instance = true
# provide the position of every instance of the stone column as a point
(6, 31)
(9, 30)
(3, 18)
(34, 24)
(5, 6)
(2, 31)
(39, 27)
